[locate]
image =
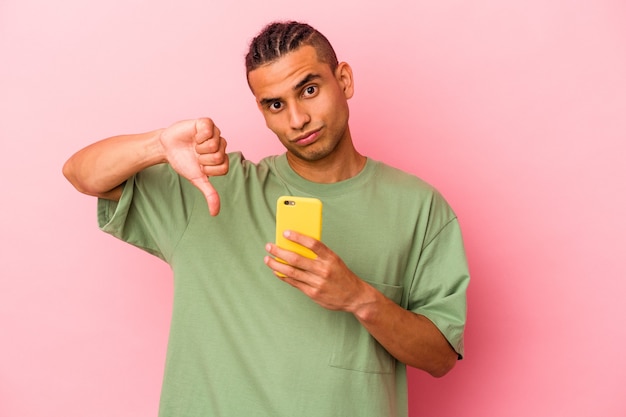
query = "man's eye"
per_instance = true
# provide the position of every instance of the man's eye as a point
(310, 90)
(276, 105)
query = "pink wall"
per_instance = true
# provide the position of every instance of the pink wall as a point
(515, 110)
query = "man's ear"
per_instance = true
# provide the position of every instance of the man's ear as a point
(344, 77)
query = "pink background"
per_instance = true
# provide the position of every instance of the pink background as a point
(515, 110)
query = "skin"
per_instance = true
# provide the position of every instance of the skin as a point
(301, 98)
(305, 104)
(194, 148)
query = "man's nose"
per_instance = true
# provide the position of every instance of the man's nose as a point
(298, 116)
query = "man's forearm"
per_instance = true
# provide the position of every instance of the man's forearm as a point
(410, 338)
(100, 169)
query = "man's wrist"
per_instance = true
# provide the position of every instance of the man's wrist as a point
(368, 304)
(156, 148)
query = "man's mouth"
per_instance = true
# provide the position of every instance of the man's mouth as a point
(307, 138)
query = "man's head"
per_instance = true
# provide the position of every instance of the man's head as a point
(302, 91)
(280, 38)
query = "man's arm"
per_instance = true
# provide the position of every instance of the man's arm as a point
(102, 168)
(194, 148)
(410, 338)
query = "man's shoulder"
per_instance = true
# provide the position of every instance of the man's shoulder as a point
(397, 177)
(237, 160)
(408, 188)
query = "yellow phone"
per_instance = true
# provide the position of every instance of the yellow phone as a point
(302, 215)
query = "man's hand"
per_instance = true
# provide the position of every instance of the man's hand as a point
(195, 149)
(325, 279)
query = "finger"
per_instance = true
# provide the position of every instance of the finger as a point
(297, 264)
(205, 130)
(308, 242)
(210, 145)
(212, 152)
(216, 164)
(210, 194)
(285, 272)
(279, 268)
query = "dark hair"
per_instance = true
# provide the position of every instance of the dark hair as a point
(280, 38)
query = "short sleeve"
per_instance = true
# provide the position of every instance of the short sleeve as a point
(153, 211)
(440, 284)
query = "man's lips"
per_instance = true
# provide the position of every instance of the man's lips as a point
(307, 138)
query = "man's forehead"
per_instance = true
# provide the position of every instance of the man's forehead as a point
(288, 72)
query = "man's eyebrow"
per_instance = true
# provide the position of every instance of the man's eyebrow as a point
(306, 80)
(301, 83)
(267, 101)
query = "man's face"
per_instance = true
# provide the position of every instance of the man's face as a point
(304, 103)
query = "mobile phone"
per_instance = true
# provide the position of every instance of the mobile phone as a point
(302, 215)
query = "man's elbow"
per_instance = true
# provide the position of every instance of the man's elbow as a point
(442, 371)
(443, 366)
(68, 173)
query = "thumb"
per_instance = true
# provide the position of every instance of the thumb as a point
(212, 197)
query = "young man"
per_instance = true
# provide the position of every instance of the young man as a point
(387, 286)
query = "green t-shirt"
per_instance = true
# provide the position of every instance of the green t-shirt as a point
(242, 342)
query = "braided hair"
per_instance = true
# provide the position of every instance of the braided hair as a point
(280, 38)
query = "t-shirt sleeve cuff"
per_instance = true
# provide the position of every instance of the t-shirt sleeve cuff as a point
(112, 214)
(452, 333)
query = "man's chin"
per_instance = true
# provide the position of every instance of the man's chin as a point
(309, 155)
